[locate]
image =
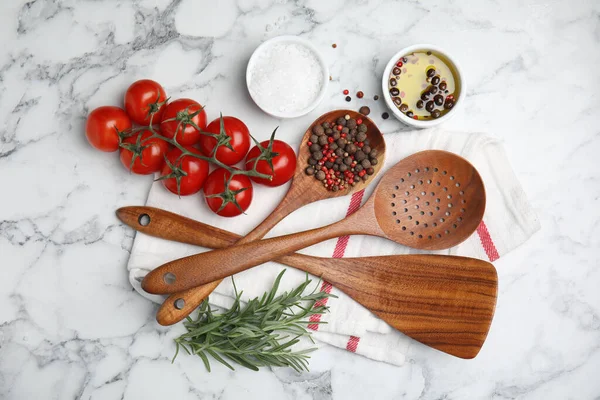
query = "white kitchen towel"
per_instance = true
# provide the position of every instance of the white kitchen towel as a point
(508, 222)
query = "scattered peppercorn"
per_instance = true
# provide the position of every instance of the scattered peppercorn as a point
(385, 115)
(360, 94)
(375, 97)
(364, 110)
(346, 91)
(348, 98)
(334, 45)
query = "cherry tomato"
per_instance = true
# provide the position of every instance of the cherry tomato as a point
(148, 153)
(283, 158)
(103, 126)
(195, 168)
(239, 139)
(240, 191)
(141, 98)
(181, 109)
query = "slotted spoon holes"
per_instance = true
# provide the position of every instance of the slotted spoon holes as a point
(424, 194)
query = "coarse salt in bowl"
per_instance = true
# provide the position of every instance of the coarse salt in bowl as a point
(287, 77)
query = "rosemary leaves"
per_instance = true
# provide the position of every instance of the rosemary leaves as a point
(259, 334)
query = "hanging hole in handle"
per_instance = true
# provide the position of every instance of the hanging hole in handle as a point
(144, 220)
(179, 304)
(169, 278)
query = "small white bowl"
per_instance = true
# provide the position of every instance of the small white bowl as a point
(295, 40)
(458, 78)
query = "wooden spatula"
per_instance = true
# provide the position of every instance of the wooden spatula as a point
(429, 200)
(444, 302)
(303, 190)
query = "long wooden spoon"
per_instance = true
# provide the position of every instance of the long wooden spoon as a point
(444, 302)
(429, 200)
(303, 190)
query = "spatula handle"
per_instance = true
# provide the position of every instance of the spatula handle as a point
(199, 269)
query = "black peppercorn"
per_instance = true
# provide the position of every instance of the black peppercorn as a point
(326, 125)
(358, 168)
(425, 95)
(313, 138)
(315, 147)
(345, 129)
(430, 72)
(436, 113)
(351, 123)
(375, 97)
(362, 128)
(347, 161)
(341, 121)
(373, 153)
(348, 98)
(328, 131)
(433, 89)
(339, 161)
(396, 71)
(312, 161)
(317, 155)
(360, 155)
(351, 148)
(323, 140)
(438, 99)
(328, 164)
(404, 107)
(374, 161)
(435, 80)
(449, 104)
(366, 149)
(339, 151)
(394, 91)
(385, 115)
(333, 146)
(318, 130)
(365, 163)
(409, 114)
(335, 167)
(343, 168)
(370, 171)
(320, 175)
(443, 86)
(420, 104)
(341, 142)
(429, 106)
(361, 136)
(364, 110)
(309, 170)
(353, 131)
(336, 135)
(393, 82)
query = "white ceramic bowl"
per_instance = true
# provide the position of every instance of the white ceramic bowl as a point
(458, 78)
(295, 40)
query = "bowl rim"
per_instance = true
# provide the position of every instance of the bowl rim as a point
(388, 99)
(289, 39)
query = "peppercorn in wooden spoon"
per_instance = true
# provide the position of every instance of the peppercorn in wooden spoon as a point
(304, 188)
(430, 200)
(445, 302)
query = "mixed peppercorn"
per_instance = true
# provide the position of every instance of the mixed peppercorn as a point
(340, 153)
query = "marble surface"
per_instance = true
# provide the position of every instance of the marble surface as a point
(72, 327)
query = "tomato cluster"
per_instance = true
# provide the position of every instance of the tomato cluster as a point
(154, 134)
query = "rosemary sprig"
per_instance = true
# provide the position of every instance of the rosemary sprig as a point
(256, 335)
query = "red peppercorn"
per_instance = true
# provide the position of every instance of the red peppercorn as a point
(399, 63)
(415, 117)
(362, 173)
(359, 121)
(329, 181)
(360, 94)
(346, 91)
(309, 143)
(361, 145)
(343, 135)
(337, 173)
(351, 181)
(353, 163)
(324, 169)
(326, 146)
(324, 152)
(331, 159)
(339, 127)
(330, 139)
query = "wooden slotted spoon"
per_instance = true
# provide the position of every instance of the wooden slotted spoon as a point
(445, 302)
(303, 190)
(429, 200)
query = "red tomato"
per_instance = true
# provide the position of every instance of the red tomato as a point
(103, 126)
(140, 100)
(195, 168)
(148, 153)
(223, 204)
(239, 139)
(283, 158)
(181, 109)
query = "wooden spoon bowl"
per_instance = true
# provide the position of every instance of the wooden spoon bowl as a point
(304, 189)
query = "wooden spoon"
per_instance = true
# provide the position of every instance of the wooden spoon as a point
(445, 302)
(429, 200)
(303, 190)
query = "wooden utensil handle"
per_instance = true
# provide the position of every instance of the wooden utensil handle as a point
(200, 269)
(170, 226)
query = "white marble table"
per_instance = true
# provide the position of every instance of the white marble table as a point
(72, 327)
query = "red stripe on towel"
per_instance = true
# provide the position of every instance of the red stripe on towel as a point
(352, 343)
(487, 242)
(338, 252)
